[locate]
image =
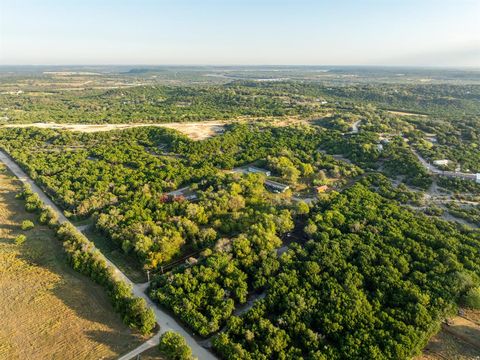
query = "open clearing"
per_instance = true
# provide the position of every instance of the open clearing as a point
(460, 340)
(404, 113)
(199, 130)
(48, 310)
(194, 130)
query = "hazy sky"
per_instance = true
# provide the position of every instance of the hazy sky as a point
(323, 32)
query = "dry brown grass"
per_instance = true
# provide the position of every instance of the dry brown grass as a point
(47, 310)
(460, 340)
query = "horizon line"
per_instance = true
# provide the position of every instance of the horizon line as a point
(248, 65)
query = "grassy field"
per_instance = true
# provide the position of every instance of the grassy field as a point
(47, 310)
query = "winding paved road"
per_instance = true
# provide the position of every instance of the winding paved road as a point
(165, 321)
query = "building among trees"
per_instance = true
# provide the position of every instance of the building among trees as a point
(256, 170)
(276, 186)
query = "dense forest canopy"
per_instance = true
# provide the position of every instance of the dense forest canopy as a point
(373, 283)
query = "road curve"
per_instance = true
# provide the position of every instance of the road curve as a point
(165, 321)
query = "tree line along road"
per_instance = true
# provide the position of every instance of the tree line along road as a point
(164, 320)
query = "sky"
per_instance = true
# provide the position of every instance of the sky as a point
(240, 32)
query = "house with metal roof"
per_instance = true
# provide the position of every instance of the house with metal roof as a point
(276, 186)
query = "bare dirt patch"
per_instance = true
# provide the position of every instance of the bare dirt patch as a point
(194, 130)
(458, 340)
(47, 310)
(404, 113)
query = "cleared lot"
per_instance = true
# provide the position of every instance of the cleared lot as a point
(194, 130)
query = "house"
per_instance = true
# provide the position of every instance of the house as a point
(276, 186)
(478, 178)
(321, 189)
(255, 170)
(442, 162)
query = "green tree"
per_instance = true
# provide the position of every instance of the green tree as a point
(27, 225)
(140, 316)
(20, 239)
(472, 298)
(302, 208)
(174, 346)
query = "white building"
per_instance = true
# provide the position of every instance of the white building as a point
(442, 162)
(478, 178)
(255, 170)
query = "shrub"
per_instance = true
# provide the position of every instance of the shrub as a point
(472, 298)
(20, 239)
(33, 202)
(174, 346)
(27, 225)
(48, 216)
